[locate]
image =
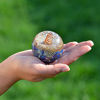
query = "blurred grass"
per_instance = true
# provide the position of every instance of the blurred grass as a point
(21, 20)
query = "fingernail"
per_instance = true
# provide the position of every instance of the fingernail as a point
(65, 69)
(92, 43)
(62, 68)
(75, 42)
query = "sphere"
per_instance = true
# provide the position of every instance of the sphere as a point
(47, 46)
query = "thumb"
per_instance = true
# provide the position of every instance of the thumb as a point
(56, 68)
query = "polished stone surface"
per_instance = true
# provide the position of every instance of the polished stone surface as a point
(47, 46)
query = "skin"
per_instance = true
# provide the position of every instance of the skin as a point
(24, 66)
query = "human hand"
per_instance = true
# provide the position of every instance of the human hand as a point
(24, 66)
(27, 67)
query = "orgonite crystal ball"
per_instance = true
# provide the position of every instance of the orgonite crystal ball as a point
(47, 46)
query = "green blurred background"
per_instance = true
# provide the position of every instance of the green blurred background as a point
(74, 20)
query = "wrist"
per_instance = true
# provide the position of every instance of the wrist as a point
(8, 71)
(7, 78)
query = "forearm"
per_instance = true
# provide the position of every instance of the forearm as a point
(7, 79)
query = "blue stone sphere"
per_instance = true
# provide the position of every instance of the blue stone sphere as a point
(47, 46)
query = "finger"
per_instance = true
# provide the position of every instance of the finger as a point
(57, 68)
(52, 70)
(69, 44)
(73, 55)
(89, 43)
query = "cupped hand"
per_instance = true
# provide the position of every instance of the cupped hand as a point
(25, 66)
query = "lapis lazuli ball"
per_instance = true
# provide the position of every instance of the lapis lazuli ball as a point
(47, 46)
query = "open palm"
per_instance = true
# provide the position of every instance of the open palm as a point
(31, 68)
